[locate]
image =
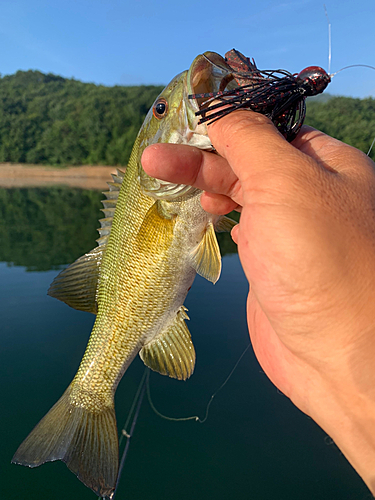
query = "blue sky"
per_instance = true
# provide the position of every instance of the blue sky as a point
(148, 42)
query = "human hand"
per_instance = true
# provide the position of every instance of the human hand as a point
(306, 240)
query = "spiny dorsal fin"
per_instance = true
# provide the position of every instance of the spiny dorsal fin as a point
(225, 225)
(109, 206)
(206, 258)
(118, 177)
(172, 351)
(77, 284)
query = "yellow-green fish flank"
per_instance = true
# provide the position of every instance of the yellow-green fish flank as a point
(155, 237)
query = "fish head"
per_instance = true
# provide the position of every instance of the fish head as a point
(172, 118)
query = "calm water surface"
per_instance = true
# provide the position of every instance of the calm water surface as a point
(255, 444)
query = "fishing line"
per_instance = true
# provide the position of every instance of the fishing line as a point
(195, 417)
(346, 67)
(330, 51)
(356, 66)
(352, 66)
(329, 41)
(158, 412)
(369, 151)
(144, 386)
(124, 432)
(135, 408)
(224, 383)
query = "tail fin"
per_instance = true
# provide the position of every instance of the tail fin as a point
(87, 442)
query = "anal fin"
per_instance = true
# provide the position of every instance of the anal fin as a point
(171, 352)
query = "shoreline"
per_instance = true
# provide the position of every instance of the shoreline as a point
(20, 175)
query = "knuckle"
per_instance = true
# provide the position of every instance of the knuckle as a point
(242, 121)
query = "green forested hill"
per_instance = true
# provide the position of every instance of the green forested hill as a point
(53, 120)
(350, 120)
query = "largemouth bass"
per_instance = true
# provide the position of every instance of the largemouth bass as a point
(155, 237)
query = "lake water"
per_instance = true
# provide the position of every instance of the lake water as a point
(255, 445)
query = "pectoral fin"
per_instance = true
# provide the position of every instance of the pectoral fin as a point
(155, 233)
(225, 225)
(77, 284)
(172, 351)
(206, 258)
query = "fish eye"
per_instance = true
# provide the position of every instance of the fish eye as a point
(160, 108)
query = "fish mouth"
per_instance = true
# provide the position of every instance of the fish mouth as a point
(209, 73)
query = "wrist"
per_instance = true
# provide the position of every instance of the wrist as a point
(343, 404)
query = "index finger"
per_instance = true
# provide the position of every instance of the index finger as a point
(246, 138)
(254, 148)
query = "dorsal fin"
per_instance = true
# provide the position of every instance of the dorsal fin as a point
(109, 206)
(77, 285)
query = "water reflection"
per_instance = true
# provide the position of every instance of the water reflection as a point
(255, 444)
(45, 228)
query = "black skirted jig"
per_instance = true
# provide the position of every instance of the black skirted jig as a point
(277, 94)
